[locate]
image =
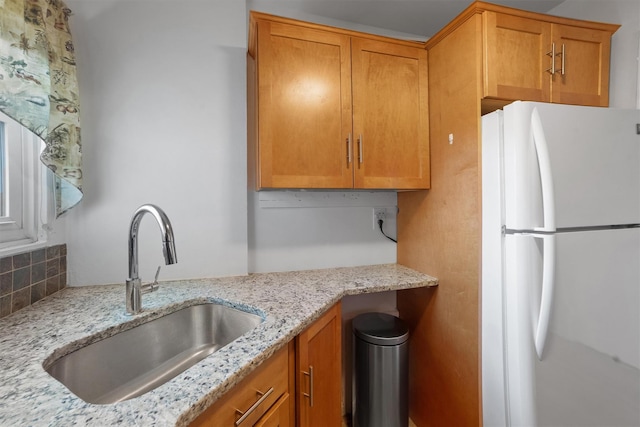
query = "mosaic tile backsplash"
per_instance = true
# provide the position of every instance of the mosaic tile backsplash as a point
(28, 277)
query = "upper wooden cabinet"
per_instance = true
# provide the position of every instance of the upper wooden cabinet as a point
(537, 60)
(333, 108)
(390, 115)
(582, 72)
(535, 57)
(515, 62)
(303, 107)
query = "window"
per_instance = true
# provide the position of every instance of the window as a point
(20, 182)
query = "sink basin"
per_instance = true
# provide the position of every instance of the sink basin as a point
(132, 362)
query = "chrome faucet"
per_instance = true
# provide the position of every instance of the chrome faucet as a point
(134, 287)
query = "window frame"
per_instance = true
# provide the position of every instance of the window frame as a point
(23, 177)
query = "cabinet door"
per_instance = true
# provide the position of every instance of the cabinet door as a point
(318, 364)
(304, 107)
(582, 72)
(390, 115)
(516, 57)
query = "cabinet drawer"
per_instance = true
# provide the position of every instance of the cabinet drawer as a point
(253, 396)
(278, 415)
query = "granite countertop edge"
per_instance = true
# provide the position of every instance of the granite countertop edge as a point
(289, 302)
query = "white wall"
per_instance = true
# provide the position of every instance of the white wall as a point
(163, 97)
(307, 230)
(624, 89)
(294, 10)
(162, 86)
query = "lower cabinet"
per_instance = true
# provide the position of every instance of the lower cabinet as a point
(261, 399)
(318, 372)
(300, 385)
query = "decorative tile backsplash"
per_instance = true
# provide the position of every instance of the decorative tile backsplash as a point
(28, 277)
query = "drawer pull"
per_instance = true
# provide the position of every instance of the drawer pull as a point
(244, 415)
(552, 54)
(310, 394)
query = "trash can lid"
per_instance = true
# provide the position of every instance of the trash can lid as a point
(380, 329)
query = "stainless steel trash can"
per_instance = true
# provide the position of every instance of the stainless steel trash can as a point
(380, 374)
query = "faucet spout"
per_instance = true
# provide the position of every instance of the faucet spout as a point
(134, 284)
(169, 251)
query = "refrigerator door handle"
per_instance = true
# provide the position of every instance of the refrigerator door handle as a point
(546, 298)
(546, 177)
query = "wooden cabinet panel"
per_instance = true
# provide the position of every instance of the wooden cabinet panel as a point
(515, 57)
(311, 133)
(304, 107)
(585, 63)
(533, 59)
(318, 366)
(439, 233)
(390, 120)
(273, 375)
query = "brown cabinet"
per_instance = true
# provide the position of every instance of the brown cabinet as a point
(303, 107)
(318, 372)
(336, 109)
(585, 57)
(300, 382)
(534, 59)
(261, 399)
(390, 119)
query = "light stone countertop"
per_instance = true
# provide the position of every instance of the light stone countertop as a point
(75, 316)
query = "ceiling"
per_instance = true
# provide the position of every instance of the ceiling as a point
(418, 17)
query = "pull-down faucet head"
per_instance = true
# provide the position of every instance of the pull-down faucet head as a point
(134, 287)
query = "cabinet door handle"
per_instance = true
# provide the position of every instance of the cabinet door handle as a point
(349, 149)
(562, 55)
(552, 54)
(310, 394)
(244, 415)
(360, 149)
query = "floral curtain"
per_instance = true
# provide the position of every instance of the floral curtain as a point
(39, 89)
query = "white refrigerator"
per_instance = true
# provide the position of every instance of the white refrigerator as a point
(560, 266)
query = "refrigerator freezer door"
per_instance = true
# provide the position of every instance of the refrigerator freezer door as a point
(594, 159)
(589, 374)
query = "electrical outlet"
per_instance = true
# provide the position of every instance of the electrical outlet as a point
(379, 214)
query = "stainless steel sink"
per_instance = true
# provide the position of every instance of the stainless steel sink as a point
(140, 359)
